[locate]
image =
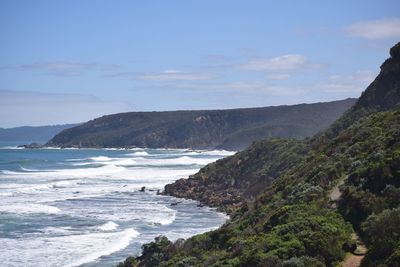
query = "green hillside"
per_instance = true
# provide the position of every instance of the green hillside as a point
(300, 203)
(233, 129)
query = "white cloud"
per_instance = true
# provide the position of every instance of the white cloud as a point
(62, 68)
(19, 108)
(59, 68)
(56, 66)
(375, 29)
(354, 83)
(280, 68)
(276, 64)
(173, 75)
(252, 87)
(278, 76)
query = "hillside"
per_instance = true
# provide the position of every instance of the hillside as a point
(32, 133)
(242, 174)
(299, 203)
(233, 129)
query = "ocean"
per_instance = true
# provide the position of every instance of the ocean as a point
(84, 207)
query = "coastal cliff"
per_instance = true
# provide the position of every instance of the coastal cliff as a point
(227, 182)
(300, 203)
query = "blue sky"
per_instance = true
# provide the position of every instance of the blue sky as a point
(71, 61)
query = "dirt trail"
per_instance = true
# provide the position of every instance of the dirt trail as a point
(354, 259)
(335, 194)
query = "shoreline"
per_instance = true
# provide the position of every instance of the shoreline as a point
(28, 146)
(192, 218)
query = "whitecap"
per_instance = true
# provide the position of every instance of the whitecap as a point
(109, 226)
(11, 147)
(29, 208)
(117, 242)
(165, 219)
(100, 158)
(139, 153)
(184, 160)
(70, 173)
(29, 170)
(218, 152)
(70, 250)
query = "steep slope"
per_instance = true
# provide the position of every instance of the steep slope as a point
(381, 95)
(290, 219)
(243, 174)
(229, 129)
(228, 182)
(32, 133)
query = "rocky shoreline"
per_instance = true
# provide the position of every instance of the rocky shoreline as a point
(226, 200)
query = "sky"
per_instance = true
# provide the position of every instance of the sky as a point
(71, 61)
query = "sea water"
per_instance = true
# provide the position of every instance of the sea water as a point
(84, 207)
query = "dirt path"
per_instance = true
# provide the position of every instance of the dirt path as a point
(354, 259)
(335, 194)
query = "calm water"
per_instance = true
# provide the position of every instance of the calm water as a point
(70, 207)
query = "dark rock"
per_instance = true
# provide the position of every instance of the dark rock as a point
(395, 51)
(226, 184)
(381, 95)
(32, 146)
(143, 189)
(349, 246)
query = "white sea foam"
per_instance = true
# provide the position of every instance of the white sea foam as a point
(63, 184)
(79, 172)
(218, 153)
(71, 250)
(164, 219)
(139, 161)
(29, 170)
(100, 158)
(109, 226)
(90, 186)
(11, 147)
(106, 246)
(29, 208)
(64, 231)
(75, 159)
(139, 153)
(82, 164)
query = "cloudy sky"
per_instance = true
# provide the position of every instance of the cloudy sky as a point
(70, 61)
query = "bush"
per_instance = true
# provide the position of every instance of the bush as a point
(382, 235)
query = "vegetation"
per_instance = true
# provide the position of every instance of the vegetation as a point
(382, 234)
(292, 222)
(292, 218)
(229, 182)
(233, 129)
